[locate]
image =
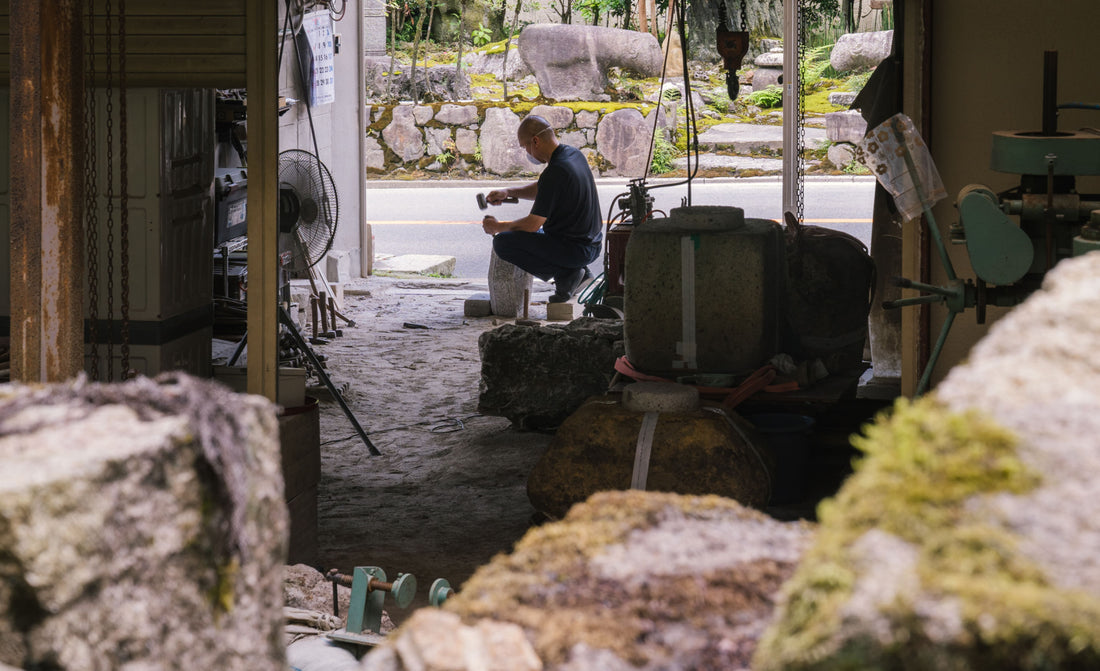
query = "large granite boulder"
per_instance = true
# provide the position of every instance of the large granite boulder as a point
(854, 52)
(142, 526)
(629, 580)
(624, 138)
(969, 538)
(571, 62)
(536, 376)
(493, 63)
(691, 450)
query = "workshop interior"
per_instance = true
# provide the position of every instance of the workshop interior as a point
(216, 186)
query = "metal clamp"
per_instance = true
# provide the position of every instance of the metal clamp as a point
(368, 593)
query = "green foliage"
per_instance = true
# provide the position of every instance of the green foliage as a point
(816, 66)
(592, 10)
(481, 35)
(767, 98)
(721, 101)
(663, 153)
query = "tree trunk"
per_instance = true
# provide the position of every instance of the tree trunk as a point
(427, 38)
(508, 43)
(461, 36)
(416, 51)
(652, 17)
(643, 16)
(393, 54)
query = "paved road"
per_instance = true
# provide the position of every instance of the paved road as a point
(443, 217)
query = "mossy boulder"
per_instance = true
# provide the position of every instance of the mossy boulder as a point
(969, 538)
(628, 580)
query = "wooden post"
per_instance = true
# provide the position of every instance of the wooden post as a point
(263, 164)
(47, 163)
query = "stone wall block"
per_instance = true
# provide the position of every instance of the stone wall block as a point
(623, 139)
(466, 141)
(501, 154)
(587, 119)
(402, 136)
(559, 117)
(456, 115)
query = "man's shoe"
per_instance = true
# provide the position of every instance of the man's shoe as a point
(566, 284)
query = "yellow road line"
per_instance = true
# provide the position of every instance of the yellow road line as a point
(417, 222)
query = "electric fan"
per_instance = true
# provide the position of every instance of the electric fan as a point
(308, 209)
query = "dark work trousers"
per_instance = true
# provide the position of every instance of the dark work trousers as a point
(544, 256)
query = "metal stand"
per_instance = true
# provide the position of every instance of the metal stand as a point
(284, 319)
(368, 593)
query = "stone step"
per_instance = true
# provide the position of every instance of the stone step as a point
(747, 138)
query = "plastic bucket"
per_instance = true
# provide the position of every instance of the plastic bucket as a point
(786, 436)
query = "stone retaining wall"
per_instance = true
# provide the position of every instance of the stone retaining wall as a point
(475, 138)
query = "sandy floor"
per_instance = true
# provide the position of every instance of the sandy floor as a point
(449, 490)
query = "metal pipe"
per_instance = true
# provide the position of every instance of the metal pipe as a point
(1050, 93)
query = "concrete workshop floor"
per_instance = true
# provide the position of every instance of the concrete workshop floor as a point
(449, 491)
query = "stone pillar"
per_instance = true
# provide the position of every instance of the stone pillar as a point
(508, 285)
(142, 526)
(374, 28)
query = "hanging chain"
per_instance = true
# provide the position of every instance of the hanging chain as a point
(91, 213)
(744, 17)
(800, 87)
(124, 195)
(110, 121)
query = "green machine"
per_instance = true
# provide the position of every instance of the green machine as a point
(1014, 237)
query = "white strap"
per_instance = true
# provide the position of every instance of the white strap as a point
(686, 348)
(643, 450)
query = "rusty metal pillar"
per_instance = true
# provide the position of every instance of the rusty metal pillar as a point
(47, 93)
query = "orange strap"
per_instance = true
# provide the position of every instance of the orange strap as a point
(760, 380)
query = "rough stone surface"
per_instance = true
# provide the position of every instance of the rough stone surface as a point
(423, 114)
(846, 126)
(771, 59)
(142, 526)
(842, 98)
(746, 138)
(861, 51)
(629, 580)
(574, 138)
(572, 363)
(375, 156)
(571, 62)
(587, 119)
(501, 154)
(841, 155)
(493, 63)
(509, 287)
(692, 452)
(443, 82)
(624, 139)
(456, 115)
(435, 640)
(762, 78)
(402, 136)
(970, 535)
(438, 139)
(559, 117)
(466, 141)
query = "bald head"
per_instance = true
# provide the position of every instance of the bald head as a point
(537, 137)
(531, 126)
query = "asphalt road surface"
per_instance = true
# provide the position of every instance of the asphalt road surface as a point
(443, 217)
